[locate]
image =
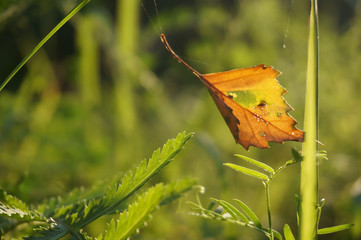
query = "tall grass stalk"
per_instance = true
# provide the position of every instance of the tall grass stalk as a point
(89, 81)
(127, 44)
(42, 42)
(309, 165)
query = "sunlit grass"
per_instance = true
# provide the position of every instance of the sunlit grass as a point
(309, 165)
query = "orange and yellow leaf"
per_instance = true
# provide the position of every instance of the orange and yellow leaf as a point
(251, 103)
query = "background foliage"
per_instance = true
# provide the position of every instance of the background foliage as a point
(103, 94)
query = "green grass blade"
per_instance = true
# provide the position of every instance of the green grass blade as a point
(247, 171)
(288, 233)
(249, 213)
(334, 229)
(309, 164)
(256, 163)
(45, 39)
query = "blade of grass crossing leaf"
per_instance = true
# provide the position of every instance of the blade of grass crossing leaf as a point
(45, 39)
(249, 213)
(334, 229)
(256, 163)
(288, 233)
(236, 214)
(247, 171)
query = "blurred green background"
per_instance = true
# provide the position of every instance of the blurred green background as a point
(103, 93)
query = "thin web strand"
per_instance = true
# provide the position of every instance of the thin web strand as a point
(156, 10)
(285, 38)
(159, 29)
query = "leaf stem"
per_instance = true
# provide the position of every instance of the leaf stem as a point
(266, 184)
(268, 199)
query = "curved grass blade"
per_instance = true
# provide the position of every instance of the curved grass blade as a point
(249, 213)
(288, 233)
(234, 212)
(256, 163)
(248, 171)
(334, 229)
(42, 42)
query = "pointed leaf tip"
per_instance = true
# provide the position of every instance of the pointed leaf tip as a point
(334, 229)
(288, 233)
(249, 213)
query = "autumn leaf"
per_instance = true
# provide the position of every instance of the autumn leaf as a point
(251, 103)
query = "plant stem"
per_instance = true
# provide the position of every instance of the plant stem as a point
(42, 42)
(266, 184)
(309, 165)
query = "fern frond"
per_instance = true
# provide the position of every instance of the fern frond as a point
(176, 189)
(76, 210)
(121, 184)
(139, 212)
(50, 206)
(131, 220)
(173, 191)
(13, 207)
(131, 182)
(52, 232)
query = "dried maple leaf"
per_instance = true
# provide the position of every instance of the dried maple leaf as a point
(251, 103)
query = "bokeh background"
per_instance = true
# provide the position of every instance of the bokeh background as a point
(103, 93)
